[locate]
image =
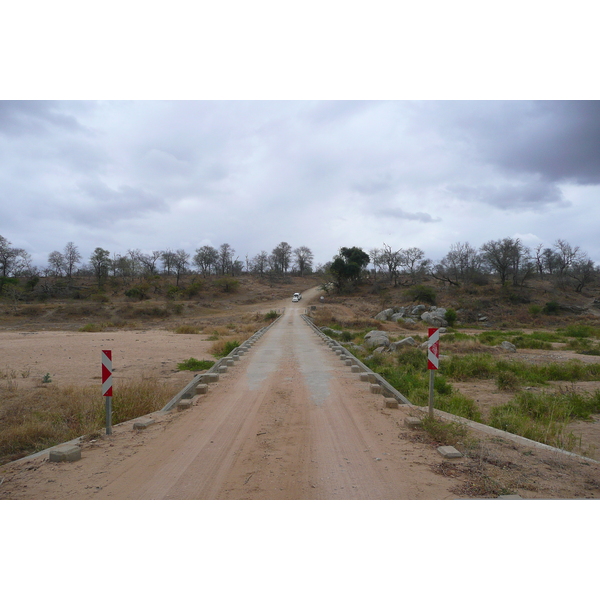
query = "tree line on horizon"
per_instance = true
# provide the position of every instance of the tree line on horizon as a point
(508, 259)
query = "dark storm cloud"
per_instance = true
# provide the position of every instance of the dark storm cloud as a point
(559, 141)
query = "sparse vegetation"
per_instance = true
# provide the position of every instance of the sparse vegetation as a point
(42, 417)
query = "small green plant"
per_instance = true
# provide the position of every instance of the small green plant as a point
(193, 364)
(451, 316)
(534, 310)
(271, 315)
(46, 378)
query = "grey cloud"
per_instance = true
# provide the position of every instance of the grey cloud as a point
(398, 213)
(531, 195)
(34, 117)
(101, 205)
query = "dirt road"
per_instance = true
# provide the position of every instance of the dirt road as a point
(289, 421)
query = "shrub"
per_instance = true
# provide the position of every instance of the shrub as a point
(507, 381)
(187, 329)
(227, 284)
(136, 293)
(451, 316)
(271, 315)
(579, 331)
(534, 310)
(222, 348)
(422, 293)
(551, 308)
(193, 364)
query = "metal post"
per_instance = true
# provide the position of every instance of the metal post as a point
(431, 376)
(108, 406)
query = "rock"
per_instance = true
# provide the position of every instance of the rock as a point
(482, 319)
(418, 309)
(380, 349)
(411, 321)
(405, 342)
(376, 338)
(434, 319)
(399, 316)
(384, 315)
(508, 346)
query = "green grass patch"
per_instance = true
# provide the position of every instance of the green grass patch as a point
(543, 416)
(193, 364)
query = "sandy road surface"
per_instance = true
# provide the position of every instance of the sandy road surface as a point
(289, 421)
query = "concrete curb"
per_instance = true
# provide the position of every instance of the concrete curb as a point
(375, 378)
(189, 391)
(346, 355)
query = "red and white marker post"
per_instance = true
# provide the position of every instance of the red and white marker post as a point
(107, 387)
(433, 361)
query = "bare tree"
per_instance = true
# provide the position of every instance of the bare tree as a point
(168, 260)
(56, 263)
(260, 263)
(414, 263)
(304, 259)
(72, 257)
(582, 272)
(460, 266)
(391, 259)
(206, 259)
(12, 260)
(180, 264)
(566, 255)
(282, 255)
(149, 262)
(226, 253)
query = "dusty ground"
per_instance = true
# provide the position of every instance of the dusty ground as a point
(246, 443)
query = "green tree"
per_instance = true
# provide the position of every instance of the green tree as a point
(348, 265)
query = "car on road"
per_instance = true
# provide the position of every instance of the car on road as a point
(296, 297)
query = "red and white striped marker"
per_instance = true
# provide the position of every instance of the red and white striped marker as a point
(433, 349)
(107, 373)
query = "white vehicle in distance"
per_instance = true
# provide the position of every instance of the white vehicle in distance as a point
(296, 297)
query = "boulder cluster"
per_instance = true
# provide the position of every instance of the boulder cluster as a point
(436, 317)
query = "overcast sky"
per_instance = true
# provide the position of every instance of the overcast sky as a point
(154, 175)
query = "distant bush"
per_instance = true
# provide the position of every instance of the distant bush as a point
(136, 293)
(227, 284)
(271, 315)
(551, 308)
(422, 293)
